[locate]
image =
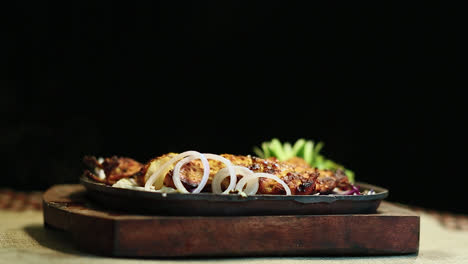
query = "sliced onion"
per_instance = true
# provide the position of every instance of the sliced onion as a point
(250, 183)
(100, 173)
(249, 178)
(240, 185)
(238, 170)
(158, 175)
(229, 168)
(252, 186)
(206, 173)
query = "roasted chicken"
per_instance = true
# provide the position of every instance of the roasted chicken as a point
(301, 179)
(110, 170)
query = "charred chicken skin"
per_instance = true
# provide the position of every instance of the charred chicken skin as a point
(114, 168)
(300, 178)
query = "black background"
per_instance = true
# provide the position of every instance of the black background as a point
(381, 85)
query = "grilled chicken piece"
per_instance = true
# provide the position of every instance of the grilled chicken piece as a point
(342, 180)
(300, 162)
(190, 174)
(326, 181)
(114, 168)
(329, 180)
(300, 178)
(151, 167)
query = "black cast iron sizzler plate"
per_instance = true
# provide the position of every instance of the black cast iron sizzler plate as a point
(209, 204)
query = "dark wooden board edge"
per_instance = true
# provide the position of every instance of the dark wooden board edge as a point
(394, 230)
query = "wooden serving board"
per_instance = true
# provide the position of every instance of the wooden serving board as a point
(392, 230)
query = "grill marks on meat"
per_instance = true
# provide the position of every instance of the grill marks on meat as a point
(301, 179)
(298, 175)
(328, 180)
(342, 181)
(115, 168)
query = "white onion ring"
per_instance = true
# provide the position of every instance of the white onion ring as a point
(239, 170)
(229, 168)
(157, 175)
(249, 178)
(250, 183)
(206, 173)
(240, 185)
(252, 186)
